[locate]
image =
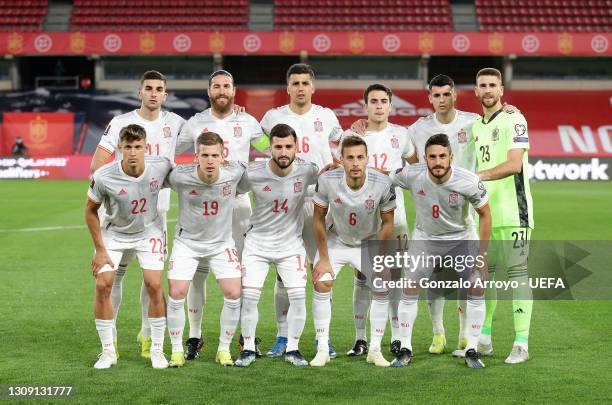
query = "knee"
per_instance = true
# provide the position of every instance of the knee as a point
(103, 288)
(177, 293)
(232, 293)
(154, 287)
(324, 286)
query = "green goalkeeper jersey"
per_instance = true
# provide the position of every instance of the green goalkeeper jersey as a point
(509, 198)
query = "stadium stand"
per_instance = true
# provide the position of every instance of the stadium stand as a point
(544, 15)
(362, 15)
(156, 15)
(22, 15)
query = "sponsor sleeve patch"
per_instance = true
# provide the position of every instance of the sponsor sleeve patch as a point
(520, 139)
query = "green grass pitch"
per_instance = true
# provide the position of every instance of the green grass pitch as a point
(48, 334)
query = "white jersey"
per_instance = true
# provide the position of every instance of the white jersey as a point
(205, 210)
(278, 218)
(442, 210)
(457, 132)
(314, 130)
(130, 202)
(238, 131)
(355, 215)
(162, 133)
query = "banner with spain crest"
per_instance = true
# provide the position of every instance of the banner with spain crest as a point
(44, 134)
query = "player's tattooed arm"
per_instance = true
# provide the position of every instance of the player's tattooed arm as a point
(359, 127)
(509, 108)
(323, 265)
(513, 165)
(101, 257)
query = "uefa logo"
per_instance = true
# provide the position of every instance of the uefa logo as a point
(182, 43)
(391, 43)
(112, 43)
(43, 43)
(251, 43)
(461, 43)
(321, 43)
(599, 43)
(530, 43)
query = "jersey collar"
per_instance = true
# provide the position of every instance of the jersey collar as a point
(495, 114)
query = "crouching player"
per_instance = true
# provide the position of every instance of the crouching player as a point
(129, 189)
(442, 194)
(358, 199)
(203, 237)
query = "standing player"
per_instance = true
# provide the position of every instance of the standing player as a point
(279, 188)
(502, 143)
(162, 128)
(388, 146)
(442, 195)
(239, 131)
(207, 195)
(129, 189)
(318, 132)
(358, 199)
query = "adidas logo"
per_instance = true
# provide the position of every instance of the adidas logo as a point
(519, 311)
(267, 188)
(338, 201)
(421, 192)
(193, 192)
(401, 107)
(122, 192)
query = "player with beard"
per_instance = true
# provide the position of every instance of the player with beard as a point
(162, 128)
(318, 132)
(442, 194)
(279, 187)
(502, 144)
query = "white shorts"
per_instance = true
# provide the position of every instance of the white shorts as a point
(340, 255)
(291, 268)
(240, 220)
(149, 252)
(185, 261)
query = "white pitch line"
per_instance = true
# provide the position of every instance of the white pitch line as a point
(52, 228)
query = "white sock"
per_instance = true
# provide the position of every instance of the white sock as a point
(407, 312)
(394, 299)
(378, 320)
(475, 315)
(296, 317)
(105, 332)
(435, 305)
(249, 317)
(145, 328)
(321, 312)
(175, 311)
(230, 315)
(361, 305)
(196, 298)
(117, 293)
(281, 306)
(158, 330)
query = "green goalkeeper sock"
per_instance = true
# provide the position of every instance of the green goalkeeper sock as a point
(491, 304)
(522, 304)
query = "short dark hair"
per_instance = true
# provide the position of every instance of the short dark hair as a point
(352, 140)
(489, 72)
(209, 138)
(299, 69)
(440, 81)
(438, 139)
(375, 87)
(152, 75)
(282, 131)
(131, 133)
(220, 72)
